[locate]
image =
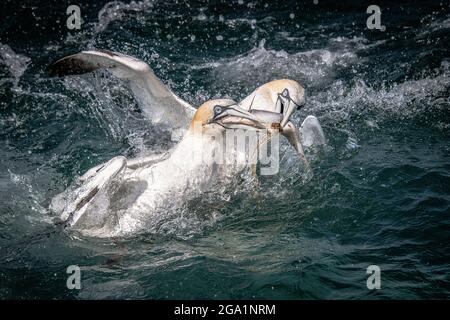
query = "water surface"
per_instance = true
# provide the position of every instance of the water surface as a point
(380, 192)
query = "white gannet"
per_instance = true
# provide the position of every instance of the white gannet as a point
(119, 196)
(277, 100)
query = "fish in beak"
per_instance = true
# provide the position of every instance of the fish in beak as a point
(273, 120)
(291, 132)
(234, 117)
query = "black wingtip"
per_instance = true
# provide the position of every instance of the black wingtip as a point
(70, 65)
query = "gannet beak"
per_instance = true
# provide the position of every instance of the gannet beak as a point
(291, 132)
(234, 117)
(290, 106)
(290, 109)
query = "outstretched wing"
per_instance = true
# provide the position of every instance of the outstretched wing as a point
(156, 100)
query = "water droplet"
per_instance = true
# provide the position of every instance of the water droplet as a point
(352, 143)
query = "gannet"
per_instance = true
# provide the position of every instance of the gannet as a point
(117, 198)
(121, 195)
(278, 99)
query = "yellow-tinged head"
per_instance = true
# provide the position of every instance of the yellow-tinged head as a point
(223, 113)
(280, 96)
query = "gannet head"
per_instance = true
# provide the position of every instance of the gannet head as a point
(222, 114)
(276, 101)
(282, 96)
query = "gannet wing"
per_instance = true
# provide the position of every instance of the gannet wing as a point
(311, 132)
(130, 164)
(158, 103)
(90, 200)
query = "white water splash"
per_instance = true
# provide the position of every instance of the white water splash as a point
(113, 11)
(30, 198)
(265, 65)
(408, 100)
(16, 64)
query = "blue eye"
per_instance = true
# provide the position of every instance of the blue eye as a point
(217, 110)
(285, 93)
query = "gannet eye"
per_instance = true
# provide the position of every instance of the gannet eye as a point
(217, 110)
(285, 93)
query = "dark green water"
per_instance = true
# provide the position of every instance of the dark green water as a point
(380, 192)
